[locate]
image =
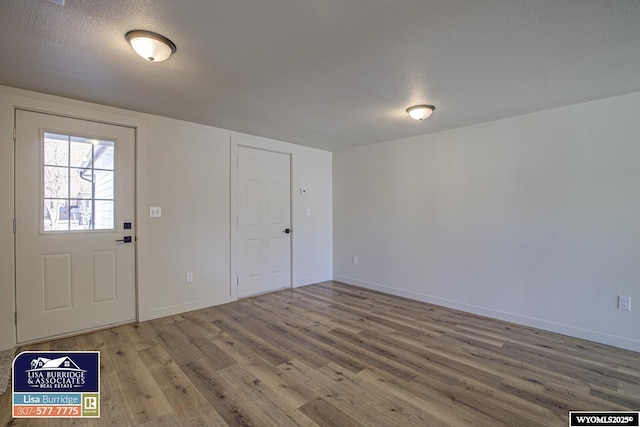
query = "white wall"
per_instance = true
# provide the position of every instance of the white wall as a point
(186, 169)
(533, 219)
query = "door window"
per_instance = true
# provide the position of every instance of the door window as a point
(78, 183)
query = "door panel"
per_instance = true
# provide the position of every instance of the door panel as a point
(74, 191)
(56, 275)
(264, 212)
(103, 276)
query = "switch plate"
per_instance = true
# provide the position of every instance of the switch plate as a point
(189, 277)
(308, 211)
(624, 302)
(155, 212)
(354, 260)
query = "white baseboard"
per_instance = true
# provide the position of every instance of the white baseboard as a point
(572, 331)
(312, 280)
(210, 302)
(183, 308)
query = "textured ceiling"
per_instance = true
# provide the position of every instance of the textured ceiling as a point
(327, 73)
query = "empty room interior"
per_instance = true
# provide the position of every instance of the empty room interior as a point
(332, 213)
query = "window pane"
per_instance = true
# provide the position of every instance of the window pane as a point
(80, 215)
(103, 215)
(56, 182)
(81, 139)
(55, 215)
(104, 155)
(81, 182)
(81, 153)
(104, 185)
(56, 149)
(78, 183)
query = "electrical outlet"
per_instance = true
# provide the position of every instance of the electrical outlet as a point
(624, 303)
(354, 260)
(189, 277)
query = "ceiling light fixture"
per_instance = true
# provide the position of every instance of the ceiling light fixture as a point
(151, 46)
(421, 112)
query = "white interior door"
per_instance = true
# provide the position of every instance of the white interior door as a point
(264, 221)
(74, 194)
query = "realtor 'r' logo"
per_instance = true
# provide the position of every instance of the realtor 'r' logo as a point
(90, 402)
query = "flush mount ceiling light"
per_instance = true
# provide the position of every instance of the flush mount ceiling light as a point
(151, 46)
(421, 112)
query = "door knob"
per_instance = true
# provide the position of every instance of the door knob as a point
(287, 230)
(126, 239)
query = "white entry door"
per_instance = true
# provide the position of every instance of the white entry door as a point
(75, 270)
(264, 221)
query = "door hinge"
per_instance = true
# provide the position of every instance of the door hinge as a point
(14, 134)
(237, 280)
(14, 226)
(15, 317)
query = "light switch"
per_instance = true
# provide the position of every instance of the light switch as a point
(308, 211)
(155, 212)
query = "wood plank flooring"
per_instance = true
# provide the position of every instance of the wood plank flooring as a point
(337, 355)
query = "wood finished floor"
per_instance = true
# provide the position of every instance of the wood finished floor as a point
(336, 355)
